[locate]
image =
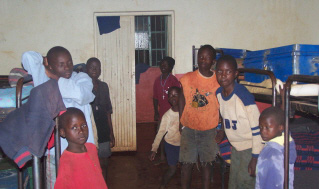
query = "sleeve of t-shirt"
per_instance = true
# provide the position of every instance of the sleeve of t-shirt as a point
(33, 62)
(161, 132)
(252, 113)
(77, 88)
(269, 171)
(253, 117)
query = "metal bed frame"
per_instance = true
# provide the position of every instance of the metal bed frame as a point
(288, 104)
(36, 162)
(297, 104)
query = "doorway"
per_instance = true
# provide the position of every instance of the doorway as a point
(117, 52)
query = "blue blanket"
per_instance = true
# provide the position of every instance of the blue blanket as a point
(8, 96)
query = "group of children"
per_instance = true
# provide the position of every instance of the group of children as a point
(188, 115)
(81, 93)
(190, 135)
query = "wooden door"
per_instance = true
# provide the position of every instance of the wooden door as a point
(116, 50)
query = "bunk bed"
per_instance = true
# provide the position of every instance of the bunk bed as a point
(10, 99)
(302, 105)
(20, 95)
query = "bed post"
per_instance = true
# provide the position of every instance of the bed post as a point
(57, 145)
(18, 105)
(36, 173)
(286, 143)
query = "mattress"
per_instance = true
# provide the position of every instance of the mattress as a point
(265, 88)
(8, 96)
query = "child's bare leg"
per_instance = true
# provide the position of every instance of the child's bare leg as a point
(186, 176)
(104, 164)
(168, 175)
(206, 173)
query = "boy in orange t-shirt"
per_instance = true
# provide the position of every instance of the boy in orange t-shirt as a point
(199, 117)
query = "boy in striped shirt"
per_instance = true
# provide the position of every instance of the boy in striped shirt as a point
(240, 119)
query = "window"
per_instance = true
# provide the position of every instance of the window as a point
(151, 39)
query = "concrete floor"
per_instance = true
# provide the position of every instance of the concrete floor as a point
(133, 170)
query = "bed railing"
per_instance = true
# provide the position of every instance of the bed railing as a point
(263, 72)
(36, 163)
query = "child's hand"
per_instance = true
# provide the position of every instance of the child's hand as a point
(50, 74)
(219, 136)
(152, 156)
(252, 167)
(112, 141)
(48, 71)
(181, 127)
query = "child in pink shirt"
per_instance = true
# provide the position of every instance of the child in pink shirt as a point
(79, 164)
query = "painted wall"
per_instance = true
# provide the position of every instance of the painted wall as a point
(248, 24)
(144, 95)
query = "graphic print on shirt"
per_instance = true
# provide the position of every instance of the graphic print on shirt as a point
(199, 100)
(230, 124)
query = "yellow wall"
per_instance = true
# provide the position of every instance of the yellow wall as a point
(247, 24)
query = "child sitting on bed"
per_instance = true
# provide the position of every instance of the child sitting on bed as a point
(79, 164)
(270, 165)
(75, 89)
(169, 129)
(240, 119)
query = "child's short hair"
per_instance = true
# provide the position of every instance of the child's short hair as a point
(277, 113)
(54, 51)
(227, 58)
(169, 60)
(209, 47)
(63, 119)
(178, 89)
(93, 59)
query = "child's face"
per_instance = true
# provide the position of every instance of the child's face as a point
(94, 69)
(205, 59)
(269, 128)
(173, 96)
(62, 65)
(164, 67)
(76, 131)
(226, 74)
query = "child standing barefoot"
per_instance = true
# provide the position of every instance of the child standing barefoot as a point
(102, 111)
(170, 128)
(160, 94)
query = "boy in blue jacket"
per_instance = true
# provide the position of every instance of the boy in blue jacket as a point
(270, 164)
